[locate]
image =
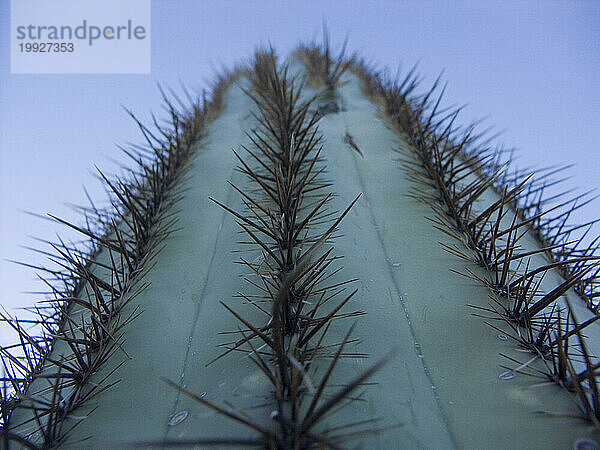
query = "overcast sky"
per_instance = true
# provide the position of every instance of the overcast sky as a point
(531, 68)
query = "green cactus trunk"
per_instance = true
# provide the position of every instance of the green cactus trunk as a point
(400, 246)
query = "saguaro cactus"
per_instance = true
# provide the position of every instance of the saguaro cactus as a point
(357, 271)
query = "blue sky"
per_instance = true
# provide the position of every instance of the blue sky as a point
(532, 68)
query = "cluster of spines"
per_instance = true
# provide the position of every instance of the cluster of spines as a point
(458, 167)
(89, 290)
(287, 221)
(324, 69)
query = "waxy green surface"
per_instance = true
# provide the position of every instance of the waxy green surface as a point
(441, 389)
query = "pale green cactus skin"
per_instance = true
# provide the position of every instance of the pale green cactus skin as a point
(440, 390)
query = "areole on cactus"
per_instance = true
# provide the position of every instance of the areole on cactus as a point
(358, 271)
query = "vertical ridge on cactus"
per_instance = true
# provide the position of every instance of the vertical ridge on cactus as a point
(320, 285)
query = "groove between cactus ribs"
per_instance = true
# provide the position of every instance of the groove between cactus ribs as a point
(417, 347)
(197, 314)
